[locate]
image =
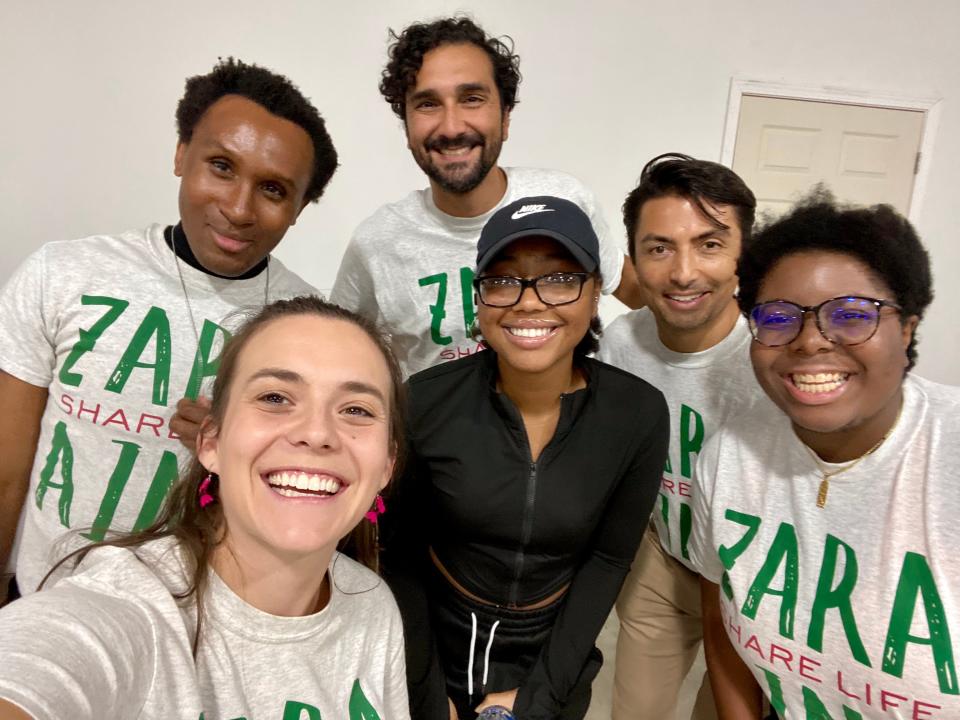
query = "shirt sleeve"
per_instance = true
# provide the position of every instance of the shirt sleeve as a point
(405, 559)
(74, 653)
(396, 703)
(354, 287)
(703, 554)
(564, 658)
(27, 344)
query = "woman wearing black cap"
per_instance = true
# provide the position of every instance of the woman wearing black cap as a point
(533, 470)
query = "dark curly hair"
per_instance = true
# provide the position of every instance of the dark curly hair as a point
(271, 91)
(408, 48)
(877, 236)
(699, 181)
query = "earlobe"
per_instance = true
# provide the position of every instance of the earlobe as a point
(178, 159)
(907, 330)
(505, 127)
(207, 446)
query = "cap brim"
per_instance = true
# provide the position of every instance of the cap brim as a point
(588, 263)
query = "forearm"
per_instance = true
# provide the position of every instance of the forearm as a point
(737, 695)
(21, 408)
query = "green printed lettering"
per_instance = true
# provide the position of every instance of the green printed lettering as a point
(294, 710)
(686, 524)
(163, 480)
(360, 707)
(775, 693)
(111, 498)
(437, 311)
(814, 709)
(155, 323)
(88, 338)
(203, 365)
(917, 579)
(691, 439)
(466, 296)
(665, 514)
(838, 597)
(60, 450)
(728, 556)
(667, 468)
(783, 551)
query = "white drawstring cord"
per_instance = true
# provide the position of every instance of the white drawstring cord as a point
(486, 655)
(473, 647)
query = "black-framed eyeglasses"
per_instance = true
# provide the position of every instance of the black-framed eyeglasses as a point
(845, 320)
(556, 288)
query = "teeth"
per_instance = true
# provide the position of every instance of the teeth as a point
(685, 298)
(530, 332)
(291, 484)
(456, 151)
(819, 382)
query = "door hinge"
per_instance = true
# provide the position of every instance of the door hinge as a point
(916, 165)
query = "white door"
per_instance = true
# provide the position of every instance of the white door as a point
(865, 155)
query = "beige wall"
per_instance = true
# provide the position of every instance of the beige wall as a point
(89, 91)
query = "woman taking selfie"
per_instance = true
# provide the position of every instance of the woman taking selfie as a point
(533, 473)
(826, 526)
(237, 603)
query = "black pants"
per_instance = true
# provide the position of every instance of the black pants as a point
(485, 649)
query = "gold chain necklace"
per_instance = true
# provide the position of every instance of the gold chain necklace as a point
(829, 474)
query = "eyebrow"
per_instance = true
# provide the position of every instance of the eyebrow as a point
(427, 93)
(219, 146)
(353, 386)
(653, 237)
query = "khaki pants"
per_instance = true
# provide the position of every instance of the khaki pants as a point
(660, 633)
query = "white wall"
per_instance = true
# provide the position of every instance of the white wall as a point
(89, 91)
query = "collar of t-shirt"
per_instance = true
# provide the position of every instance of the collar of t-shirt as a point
(733, 344)
(176, 240)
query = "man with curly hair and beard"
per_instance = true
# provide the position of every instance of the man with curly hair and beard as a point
(100, 337)
(410, 265)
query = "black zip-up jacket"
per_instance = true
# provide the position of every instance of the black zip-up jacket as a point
(514, 531)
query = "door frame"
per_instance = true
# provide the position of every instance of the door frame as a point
(929, 106)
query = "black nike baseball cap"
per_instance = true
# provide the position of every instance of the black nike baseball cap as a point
(541, 216)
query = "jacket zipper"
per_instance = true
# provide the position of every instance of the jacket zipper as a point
(527, 531)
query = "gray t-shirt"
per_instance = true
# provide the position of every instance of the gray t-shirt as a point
(103, 323)
(110, 641)
(409, 267)
(704, 390)
(850, 610)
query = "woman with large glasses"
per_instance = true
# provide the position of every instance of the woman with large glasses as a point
(825, 526)
(533, 471)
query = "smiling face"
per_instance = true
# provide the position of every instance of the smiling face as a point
(304, 445)
(530, 336)
(455, 122)
(826, 388)
(687, 267)
(244, 173)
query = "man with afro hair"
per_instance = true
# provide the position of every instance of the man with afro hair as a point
(409, 266)
(100, 337)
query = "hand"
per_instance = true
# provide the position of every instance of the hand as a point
(506, 698)
(453, 710)
(186, 421)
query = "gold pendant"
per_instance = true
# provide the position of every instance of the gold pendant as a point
(822, 492)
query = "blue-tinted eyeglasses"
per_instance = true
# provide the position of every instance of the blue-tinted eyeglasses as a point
(846, 320)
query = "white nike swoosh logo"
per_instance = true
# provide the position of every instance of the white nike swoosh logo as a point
(523, 213)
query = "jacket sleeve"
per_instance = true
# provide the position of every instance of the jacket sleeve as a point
(404, 568)
(565, 657)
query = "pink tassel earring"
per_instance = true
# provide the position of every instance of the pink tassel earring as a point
(379, 507)
(206, 490)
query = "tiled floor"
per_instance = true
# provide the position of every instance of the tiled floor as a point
(603, 685)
